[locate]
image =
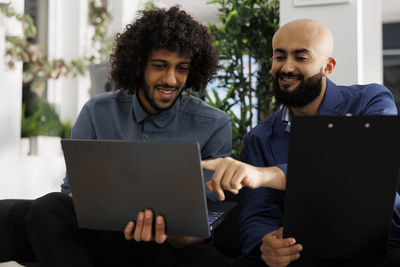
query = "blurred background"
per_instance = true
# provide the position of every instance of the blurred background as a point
(54, 57)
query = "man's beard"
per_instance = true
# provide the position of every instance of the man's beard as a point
(153, 104)
(308, 90)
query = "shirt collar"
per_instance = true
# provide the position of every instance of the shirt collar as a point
(286, 117)
(330, 102)
(160, 119)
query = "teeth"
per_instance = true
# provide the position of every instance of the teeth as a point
(286, 79)
(167, 92)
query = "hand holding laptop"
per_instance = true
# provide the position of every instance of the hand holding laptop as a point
(142, 231)
(232, 175)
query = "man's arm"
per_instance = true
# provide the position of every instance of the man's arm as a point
(82, 129)
(262, 208)
(377, 100)
(233, 175)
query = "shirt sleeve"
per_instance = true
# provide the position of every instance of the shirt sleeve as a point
(218, 146)
(261, 211)
(378, 100)
(83, 129)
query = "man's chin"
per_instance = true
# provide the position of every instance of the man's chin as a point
(164, 105)
(289, 87)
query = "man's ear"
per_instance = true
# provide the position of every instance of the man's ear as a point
(330, 66)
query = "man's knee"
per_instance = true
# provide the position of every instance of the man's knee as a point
(48, 205)
(14, 244)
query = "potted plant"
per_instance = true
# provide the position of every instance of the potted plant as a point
(245, 44)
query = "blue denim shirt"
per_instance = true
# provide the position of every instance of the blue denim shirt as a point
(111, 116)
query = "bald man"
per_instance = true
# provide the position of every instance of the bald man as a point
(302, 60)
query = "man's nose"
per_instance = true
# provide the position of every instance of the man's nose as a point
(170, 78)
(288, 66)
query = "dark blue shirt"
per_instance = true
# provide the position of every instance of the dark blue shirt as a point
(267, 145)
(110, 116)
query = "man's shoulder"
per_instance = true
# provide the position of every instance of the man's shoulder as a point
(365, 94)
(358, 99)
(365, 89)
(109, 97)
(194, 106)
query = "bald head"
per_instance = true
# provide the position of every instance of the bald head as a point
(302, 59)
(308, 34)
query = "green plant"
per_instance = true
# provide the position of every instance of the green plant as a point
(227, 105)
(245, 41)
(40, 118)
(66, 130)
(30, 126)
(37, 67)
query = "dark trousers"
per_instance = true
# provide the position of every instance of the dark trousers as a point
(57, 240)
(14, 245)
(390, 259)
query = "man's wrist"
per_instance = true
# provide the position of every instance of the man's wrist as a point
(274, 177)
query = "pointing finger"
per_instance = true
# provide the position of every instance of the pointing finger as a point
(210, 164)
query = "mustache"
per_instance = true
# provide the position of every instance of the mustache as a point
(167, 86)
(288, 75)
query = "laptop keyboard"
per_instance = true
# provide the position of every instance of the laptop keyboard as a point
(214, 216)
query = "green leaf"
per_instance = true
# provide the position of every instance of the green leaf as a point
(230, 15)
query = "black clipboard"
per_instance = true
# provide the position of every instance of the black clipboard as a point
(341, 184)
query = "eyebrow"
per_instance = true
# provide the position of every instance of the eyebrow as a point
(164, 61)
(303, 50)
(295, 52)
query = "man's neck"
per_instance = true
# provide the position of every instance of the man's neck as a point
(312, 108)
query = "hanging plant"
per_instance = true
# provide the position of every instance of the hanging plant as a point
(42, 118)
(37, 67)
(100, 19)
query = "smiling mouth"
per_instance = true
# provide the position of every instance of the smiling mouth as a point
(290, 76)
(166, 91)
(289, 79)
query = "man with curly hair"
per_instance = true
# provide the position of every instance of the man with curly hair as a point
(154, 61)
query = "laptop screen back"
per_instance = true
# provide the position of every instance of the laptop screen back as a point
(111, 181)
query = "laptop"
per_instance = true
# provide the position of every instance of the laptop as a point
(112, 180)
(341, 184)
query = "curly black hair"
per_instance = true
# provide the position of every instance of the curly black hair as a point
(172, 29)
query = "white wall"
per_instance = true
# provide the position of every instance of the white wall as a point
(391, 11)
(123, 12)
(10, 90)
(20, 176)
(357, 30)
(68, 39)
(372, 57)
